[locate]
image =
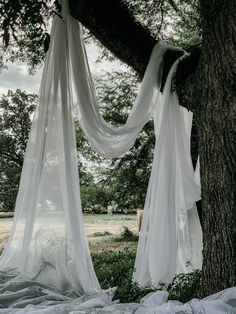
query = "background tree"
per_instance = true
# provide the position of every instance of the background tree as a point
(126, 178)
(94, 195)
(15, 110)
(24, 26)
(205, 82)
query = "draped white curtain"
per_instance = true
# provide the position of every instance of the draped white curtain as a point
(170, 240)
(105, 139)
(48, 244)
(171, 237)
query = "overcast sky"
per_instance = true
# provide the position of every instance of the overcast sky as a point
(16, 76)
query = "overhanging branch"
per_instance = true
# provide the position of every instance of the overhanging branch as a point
(112, 23)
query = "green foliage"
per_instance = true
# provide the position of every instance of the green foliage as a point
(185, 286)
(84, 148)
(24, 27)
(15, 110)
(176, 21)
(125, 179)
(94, 195)
(115, 269)
(188, 26)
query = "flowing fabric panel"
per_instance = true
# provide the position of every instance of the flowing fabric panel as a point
(105, 139)
(48, 243)
(170, 239)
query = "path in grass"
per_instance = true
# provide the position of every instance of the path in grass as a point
(100, 229)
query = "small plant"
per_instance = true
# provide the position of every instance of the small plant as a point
(184, 287)
(126, 236)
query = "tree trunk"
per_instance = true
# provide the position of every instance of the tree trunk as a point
(216, 125)
(207, 88)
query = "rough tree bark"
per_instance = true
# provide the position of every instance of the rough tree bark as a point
(114, 26)
(216, 117)
(208, 88)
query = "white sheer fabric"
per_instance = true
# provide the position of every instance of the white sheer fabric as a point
(48, 243)
(171, 237)
(105, 139)
(170, 240)
(39, 300)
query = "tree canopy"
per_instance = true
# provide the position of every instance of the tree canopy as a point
(15, 110)
(24, 24)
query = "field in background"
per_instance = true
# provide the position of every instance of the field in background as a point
(113, 254)
(102, 230)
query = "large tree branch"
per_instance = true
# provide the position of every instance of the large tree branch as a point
(112, 23)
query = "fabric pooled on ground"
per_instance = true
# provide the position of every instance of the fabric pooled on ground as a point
(18, 296)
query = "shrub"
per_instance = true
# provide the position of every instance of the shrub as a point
(115, 269)
(184, 287)
(126, 236)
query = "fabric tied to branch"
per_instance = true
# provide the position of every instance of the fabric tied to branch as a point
(170, 240)
(48, 243)
(107, 140)
(171, 237)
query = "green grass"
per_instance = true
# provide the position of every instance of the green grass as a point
(101, 218)
(114, 256)
(94, 218)
(6, 219)
(126, 236)
(114, 259)
(104, 241)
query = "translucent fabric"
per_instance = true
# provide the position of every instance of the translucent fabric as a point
(31, 298)
(171, 237)
(105, 139)
(48, 243)
(170, 240)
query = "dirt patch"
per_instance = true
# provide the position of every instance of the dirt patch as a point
(95, 225)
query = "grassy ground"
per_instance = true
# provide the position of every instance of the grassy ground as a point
(103, 231)
(113, 261)
(125, 240)
(100, 229)
(113, 246)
